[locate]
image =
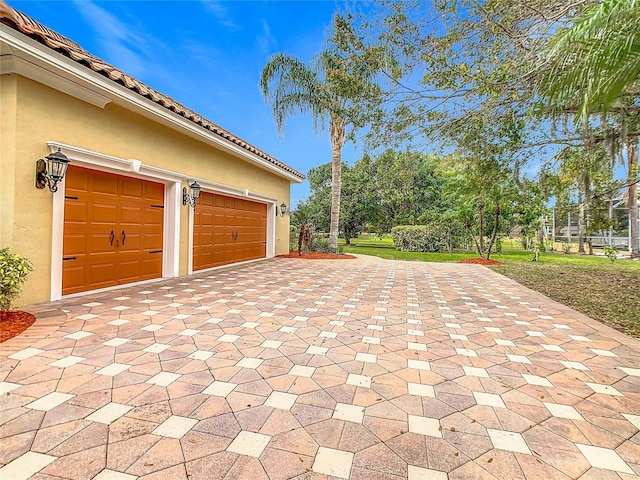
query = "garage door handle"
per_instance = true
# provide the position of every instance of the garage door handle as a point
(113, 235)
(124, 236)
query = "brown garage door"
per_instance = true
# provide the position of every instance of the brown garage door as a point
(112, 230)
(228, 230)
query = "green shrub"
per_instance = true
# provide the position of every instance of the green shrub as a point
(294, 234)
(418, 238)
(321, 244)
(611, 252)
(13, 272)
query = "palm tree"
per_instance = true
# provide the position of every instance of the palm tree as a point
(597, 60)
(594, 67)
(289, 87)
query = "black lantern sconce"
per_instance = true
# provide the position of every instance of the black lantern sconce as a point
(283, 210)
(191, 198)
(50, 172)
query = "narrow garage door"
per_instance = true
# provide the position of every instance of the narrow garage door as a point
(228, 230)
(112, 230)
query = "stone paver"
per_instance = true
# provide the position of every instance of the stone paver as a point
(286, 368)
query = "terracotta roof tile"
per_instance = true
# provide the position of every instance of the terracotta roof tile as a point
(30, 27)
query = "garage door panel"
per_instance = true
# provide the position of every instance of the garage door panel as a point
(227, 230)
(101, 213)
(106, 185)
(151, 265)
(153, 192)
(76, 211)
(130, 188)
(206, 218)
(77, 181)
(100, 275)
(204, 200)
(74, 244)
(129, 269)
(206, 239)
(131, 215)
(99, 243)
(132, 243)
(153, 217)
(140, 268)
(109, 203)
(151, 242)
(75, 278)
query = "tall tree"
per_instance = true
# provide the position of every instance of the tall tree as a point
(451, 65)
(326, 88)
(446, 64)
(593, 67)
(290, 86)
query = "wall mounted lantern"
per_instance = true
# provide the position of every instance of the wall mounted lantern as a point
(191, 198)
(50, 172)
(283, 210)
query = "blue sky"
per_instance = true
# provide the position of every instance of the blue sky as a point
(208, 55)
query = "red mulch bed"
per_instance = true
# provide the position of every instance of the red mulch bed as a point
(317, 256)
(480, 261)
(13, 323)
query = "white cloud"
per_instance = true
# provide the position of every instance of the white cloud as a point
(216, 8)
(266, 41)
(120, 44)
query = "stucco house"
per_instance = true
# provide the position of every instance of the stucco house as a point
(122, 213)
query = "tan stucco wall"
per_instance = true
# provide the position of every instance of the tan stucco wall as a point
(33, 114)
(7, 154)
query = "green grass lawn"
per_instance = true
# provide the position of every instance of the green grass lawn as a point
(606, 292)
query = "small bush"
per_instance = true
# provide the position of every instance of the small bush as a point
(13, 272)
(418, 238)
(294, 233)
(611, 252)
(321, 244)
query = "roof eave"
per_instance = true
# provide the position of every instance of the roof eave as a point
(40, 62)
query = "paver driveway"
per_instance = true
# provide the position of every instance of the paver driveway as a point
(363, 369)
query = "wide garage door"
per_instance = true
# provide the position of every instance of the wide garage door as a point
(228, 230)
(112, 230)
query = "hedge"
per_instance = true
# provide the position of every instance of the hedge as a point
(418, 238)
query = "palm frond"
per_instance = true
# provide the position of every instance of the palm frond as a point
(289, 86)
(596, 60)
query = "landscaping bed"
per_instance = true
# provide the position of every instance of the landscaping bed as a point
(480, 261)
(14, 322)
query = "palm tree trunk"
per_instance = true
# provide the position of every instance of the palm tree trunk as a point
(632, 197)
(336, 132)
(336, 180)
